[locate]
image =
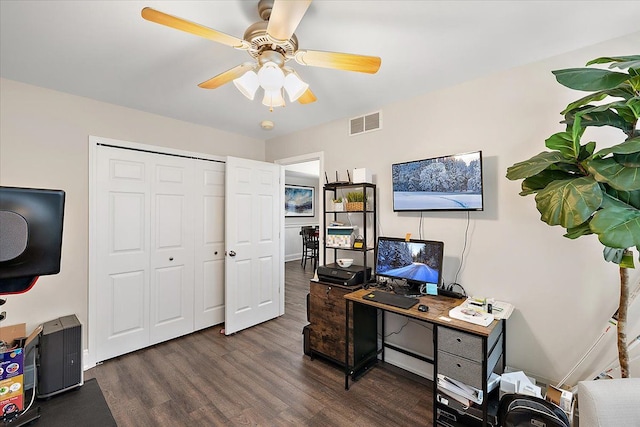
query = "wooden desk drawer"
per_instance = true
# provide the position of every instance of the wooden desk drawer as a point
(460, 343)
(461, 369)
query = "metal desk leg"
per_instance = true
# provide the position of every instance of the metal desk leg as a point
(382, 335)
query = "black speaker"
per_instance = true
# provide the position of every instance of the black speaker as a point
(60, 356)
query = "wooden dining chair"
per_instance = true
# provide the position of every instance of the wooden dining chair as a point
(310, 246)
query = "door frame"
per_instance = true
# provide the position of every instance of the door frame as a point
(89, 355)
(303, 158)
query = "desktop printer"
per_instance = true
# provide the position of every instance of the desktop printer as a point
(348, 276)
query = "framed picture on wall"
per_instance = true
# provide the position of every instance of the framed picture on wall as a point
(298, 200)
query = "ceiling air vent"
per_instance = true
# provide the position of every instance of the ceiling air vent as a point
(364, 124)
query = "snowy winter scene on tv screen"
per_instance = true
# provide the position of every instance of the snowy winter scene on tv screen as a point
(442, 183)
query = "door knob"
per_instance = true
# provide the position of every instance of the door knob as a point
(232, 253)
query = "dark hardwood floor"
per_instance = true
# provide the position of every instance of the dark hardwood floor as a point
(258, 376)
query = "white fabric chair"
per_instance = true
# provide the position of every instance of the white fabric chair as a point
(609, 403)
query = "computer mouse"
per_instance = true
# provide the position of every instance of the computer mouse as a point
(423, 307)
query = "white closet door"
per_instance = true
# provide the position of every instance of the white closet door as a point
(122, 247)
(254, 284)
(172, 252)
(209, 244)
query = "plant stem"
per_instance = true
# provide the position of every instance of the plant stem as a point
(623, 353)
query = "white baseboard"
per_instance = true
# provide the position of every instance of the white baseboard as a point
(292, 257)
(87, 362)
(408, 363)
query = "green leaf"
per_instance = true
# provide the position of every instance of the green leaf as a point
(590, 79)
(571, 168)
(535, 165)
(634, 105)
(627, 147)
(617, 227)
(562, 142)
(570, 202)
(618, 176)
(628, 160)
(586, 150)
(599, 116)
(624, 91)
(619, 61)
(578, 231)
(576, 134)
(537, 182)
(623, 199)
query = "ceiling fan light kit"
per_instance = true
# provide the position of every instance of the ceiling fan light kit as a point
(248, 84)
(271, 43)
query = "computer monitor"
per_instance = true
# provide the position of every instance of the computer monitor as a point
(416, 261)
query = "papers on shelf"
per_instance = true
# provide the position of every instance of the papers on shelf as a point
(446, 396)
(463, 393)
(518, 382)
(473, 311)
(502, 309)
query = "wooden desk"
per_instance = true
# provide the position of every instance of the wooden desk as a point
(466, 352)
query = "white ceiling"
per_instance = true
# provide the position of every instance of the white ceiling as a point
(104, 50)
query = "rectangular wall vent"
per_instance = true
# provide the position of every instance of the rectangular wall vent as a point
(364, 124)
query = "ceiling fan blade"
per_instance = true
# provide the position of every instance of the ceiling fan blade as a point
(285, 17)
(190, 27)
(339, 61)
(307, 97)
(227, 76)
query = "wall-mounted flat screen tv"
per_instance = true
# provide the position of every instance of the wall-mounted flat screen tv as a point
(447, 183)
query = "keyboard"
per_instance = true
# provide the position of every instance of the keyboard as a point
(391, 299)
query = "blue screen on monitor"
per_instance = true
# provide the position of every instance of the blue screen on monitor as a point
(417, 261)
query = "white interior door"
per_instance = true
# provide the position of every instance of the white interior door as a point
(122, 247)
(172, 236)
(254, 283)
(209, 244)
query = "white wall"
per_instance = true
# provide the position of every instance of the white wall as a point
(563, 290)
(44, 144)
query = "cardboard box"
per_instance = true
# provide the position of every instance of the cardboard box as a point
(11, 395)
(562, 398)
(12, 369)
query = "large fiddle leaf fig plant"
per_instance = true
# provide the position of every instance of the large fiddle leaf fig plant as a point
(588, 191)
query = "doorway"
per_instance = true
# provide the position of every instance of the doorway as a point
(304, 171)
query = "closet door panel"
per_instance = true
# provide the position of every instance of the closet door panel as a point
(122, 248)
(209, 244)
(172, 252)
(159, 245)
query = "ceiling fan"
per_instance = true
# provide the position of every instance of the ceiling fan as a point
(271, 42)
